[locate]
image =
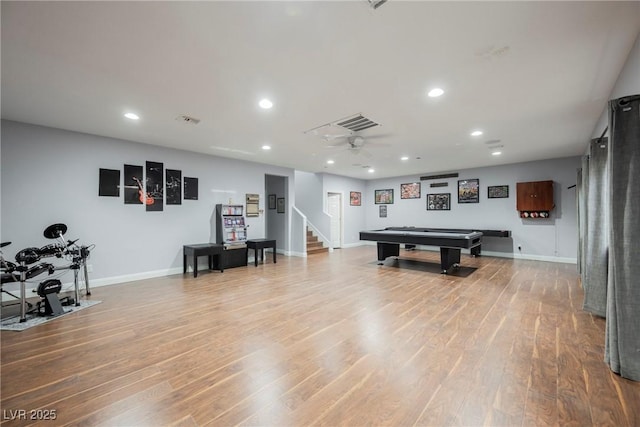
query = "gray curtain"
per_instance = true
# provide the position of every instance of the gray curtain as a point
(622, 342)
(581, 210)
(596, 249)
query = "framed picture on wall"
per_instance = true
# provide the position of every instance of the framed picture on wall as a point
(498, 192)
(173, 186)
(190, 188)
(272, 201)
(410, 191)
(280, 204)
(355, 198)
(384, 197)
(109, 183)
(439, 202)
(468, 191)
(383, 211)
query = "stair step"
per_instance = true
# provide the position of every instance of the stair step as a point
(314, 245)
(317, 250)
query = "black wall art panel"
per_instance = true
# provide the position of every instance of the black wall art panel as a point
(155, 188)
(109, 183)
(190, 188)
(133, 188)
(173, 185)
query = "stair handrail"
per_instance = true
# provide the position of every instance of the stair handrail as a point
(303, 229)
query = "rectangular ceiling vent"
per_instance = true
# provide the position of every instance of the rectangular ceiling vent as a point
(357, 123)
(343, 127)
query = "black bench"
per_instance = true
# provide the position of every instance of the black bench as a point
(259, 245)
(202, 249)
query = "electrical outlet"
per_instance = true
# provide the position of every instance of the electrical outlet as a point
(89, 268)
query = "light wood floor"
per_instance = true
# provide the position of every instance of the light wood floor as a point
(333, 339)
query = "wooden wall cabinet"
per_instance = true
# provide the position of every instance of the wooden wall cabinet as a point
(534, 199)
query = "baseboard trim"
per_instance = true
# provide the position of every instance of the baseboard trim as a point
(115, 280)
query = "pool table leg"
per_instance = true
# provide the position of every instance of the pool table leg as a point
(386, 250)
(449, 257)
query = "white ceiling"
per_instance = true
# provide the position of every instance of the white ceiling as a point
(534, 75)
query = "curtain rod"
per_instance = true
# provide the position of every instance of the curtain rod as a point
(603, 132)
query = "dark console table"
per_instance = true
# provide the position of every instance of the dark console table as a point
(202, 249)
(259, 245)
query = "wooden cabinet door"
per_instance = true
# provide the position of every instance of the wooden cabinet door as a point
(525, 199)
(544, 195)
(534, 196)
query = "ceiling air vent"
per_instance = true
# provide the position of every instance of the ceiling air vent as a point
(188, 119)
(343, 127)
(357, 123)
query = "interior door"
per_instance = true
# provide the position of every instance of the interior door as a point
(334, 208)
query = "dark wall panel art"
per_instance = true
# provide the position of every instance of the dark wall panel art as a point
(173, 186)
(109, 183)
(190, 188)
(155, 188)
(133, 189)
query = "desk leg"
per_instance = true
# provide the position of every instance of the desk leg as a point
(274, 254)
(184, 263)
(221, 261)
(195, 265)
(256, 252)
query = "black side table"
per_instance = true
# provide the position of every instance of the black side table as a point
(201, 249)
(260, 244)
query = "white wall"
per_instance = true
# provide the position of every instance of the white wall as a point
(309, 200)
(554, 238)
(353, 217)
(51, 175)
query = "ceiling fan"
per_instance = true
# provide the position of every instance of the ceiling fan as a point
(355, 143)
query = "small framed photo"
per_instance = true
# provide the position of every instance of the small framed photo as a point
(355, 198)
(498, 192)
(383, 211)
(280, 204)
(439, 202)
(384, 197)
(272, 201)
(468, 191)
(410, 191)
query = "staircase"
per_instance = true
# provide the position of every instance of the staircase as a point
(314, 246)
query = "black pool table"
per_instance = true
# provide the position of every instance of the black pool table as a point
(449, 241)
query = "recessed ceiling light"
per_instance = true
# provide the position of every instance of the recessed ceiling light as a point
(330, 162)
(266, 104)
(476, 133)
(132, 116)
(435, 92)
(404, 158)
(371, 170)
(266, 147)
(496, 153)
